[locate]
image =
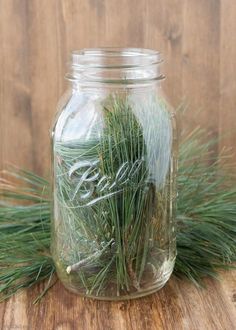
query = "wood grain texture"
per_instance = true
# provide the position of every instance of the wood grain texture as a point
(198, 40)
(179, 306)
(227, 114)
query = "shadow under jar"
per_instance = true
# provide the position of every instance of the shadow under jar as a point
(114, 176)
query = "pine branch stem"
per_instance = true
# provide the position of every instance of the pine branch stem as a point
(75, 267)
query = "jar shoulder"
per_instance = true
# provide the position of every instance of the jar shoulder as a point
(81, 114)
(77, 114)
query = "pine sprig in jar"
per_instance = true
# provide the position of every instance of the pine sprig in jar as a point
(114, 165)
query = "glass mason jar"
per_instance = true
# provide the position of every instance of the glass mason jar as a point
(114, 165)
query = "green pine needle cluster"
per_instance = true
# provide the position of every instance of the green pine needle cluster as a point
(206, 217)
(24, 232)
(206, 220)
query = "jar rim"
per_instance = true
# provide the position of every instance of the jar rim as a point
(115, 57)
(115, 65)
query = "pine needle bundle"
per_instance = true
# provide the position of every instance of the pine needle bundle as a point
(24, 232)
(206, 220)
(113, 230)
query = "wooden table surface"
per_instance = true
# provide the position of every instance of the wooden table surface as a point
(179, 305)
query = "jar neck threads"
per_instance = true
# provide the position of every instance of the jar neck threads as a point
(119, 66)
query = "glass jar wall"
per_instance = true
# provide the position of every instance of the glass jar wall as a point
(114, 168)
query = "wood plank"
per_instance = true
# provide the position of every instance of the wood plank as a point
(201, 59)
(16, 116)
(46, 75)
(227, 120)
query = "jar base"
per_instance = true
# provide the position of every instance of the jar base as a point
(159, 283)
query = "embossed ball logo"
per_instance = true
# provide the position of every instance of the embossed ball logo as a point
(90, 185)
